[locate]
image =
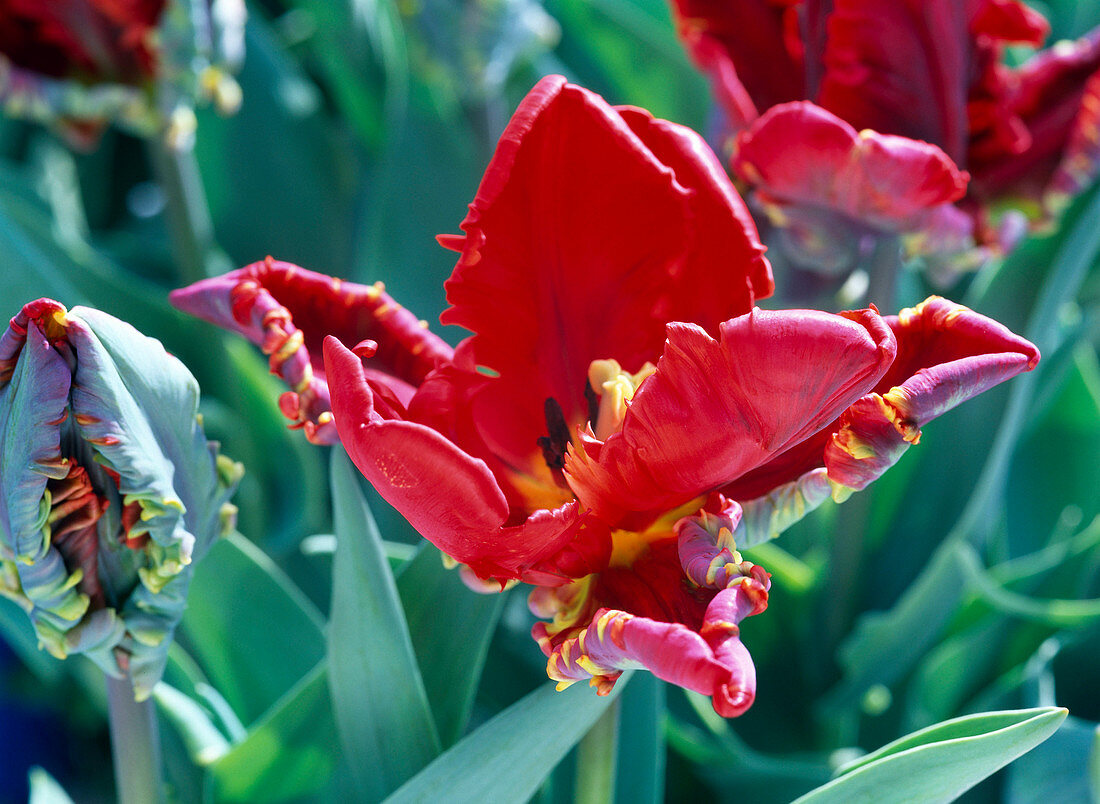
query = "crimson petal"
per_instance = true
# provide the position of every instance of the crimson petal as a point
(748, 48)
(448, 496)
(585, 217)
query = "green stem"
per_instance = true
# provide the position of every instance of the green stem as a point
(189, 225)
(883, 267)
(135, 745)
(596, 760)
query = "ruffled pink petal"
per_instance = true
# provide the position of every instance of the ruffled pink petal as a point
(717, 409)
(712, 661)
(801, 154)
(288, 310)
(450, 497)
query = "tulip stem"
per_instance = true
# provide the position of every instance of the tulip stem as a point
(596, 760)
(135, 745)
(883, 267)
(190, 228)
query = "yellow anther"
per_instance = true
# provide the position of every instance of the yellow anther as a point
(616, 388)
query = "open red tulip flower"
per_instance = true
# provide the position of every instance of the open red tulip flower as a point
(899, 88)
(623, 419)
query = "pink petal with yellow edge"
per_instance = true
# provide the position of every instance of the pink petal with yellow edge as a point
(450, 497)
(288, 310)
(712, 661)
(946, 355)
(717, 409)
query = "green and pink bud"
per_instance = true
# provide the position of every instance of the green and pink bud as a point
(109, 490)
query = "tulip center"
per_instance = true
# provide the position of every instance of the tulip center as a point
(74, 509)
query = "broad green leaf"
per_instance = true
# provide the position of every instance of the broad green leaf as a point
(1055, 464)
(601, 41)
(289, 754)
(1076, 253)
(641, 759)
(279, 500)
(450, 627)
(292, 201)
(940, 763)
(885, 645)
(507, 759)
(378, 697)
(254, 633)
(360, 47)
(45, 789)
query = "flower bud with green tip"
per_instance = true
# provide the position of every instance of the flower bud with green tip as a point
(109, 490)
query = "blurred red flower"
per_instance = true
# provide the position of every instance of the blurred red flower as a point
(89, 40)
(932, 71)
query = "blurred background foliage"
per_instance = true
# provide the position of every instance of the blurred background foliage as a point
(967, 579)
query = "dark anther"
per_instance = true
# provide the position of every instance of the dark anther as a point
(553, 445)
(593, 403)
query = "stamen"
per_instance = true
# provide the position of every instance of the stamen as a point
(554, 445)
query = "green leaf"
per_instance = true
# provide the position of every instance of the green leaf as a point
(288, 754)
(378, 697)
(451, 627)
(941, 762)
(641, 759)
(253, 646)
(45, 789)
(1055, 613)
(886, 645)
(507, 759)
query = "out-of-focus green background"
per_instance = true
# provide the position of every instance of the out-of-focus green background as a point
(967, 579)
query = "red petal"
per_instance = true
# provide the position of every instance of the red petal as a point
(725, 271)
(715, 410)
(1010, 21)
(449, 497)
(573, 244)
(900, 67)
